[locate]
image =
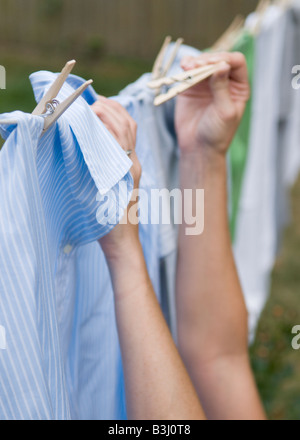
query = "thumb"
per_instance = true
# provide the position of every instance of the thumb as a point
(219, 84)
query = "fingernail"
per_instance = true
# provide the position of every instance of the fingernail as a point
(225, 65)
(188, 66)
(187, 62)
(213, 60)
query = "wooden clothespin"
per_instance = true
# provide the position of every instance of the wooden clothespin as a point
(228, 39)
(157, 67)
(162, 66)
(284, 4)
(261, 10)
(186, 80)
(261, 6)
(49, 107)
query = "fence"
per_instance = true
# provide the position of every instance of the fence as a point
(122, 27)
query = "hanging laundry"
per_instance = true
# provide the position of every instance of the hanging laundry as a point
(49, 188)
(288, 152)
(255, 243)
(59, 347)
(239, 148)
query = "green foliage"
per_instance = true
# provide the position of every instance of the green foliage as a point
(276, 364)
(95, 47)
(50, 8)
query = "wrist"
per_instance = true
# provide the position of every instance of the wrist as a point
(203, 156)
(127, 268)
(116, 253)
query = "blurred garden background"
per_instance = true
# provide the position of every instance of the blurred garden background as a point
(114, 42)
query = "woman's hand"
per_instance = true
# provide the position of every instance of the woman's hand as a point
(209, 114)
(124, 237)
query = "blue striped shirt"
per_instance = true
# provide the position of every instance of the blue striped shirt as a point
(48, 191)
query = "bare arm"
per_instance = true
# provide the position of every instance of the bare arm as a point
(212, 317)
(157, 384)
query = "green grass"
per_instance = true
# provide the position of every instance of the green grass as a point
(276, 364)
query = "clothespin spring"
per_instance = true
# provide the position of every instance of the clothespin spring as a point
(50, 107)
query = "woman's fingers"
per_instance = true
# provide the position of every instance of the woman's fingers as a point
(189, 63)
(236, 61)
(220, 89)
(229, 86)
(106, 112)
(118, 122)
(106, 118)
(120, 110)
(239, 70)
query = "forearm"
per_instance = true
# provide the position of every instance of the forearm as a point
(207, 282)
(227, 388)
(157, 384)
(212, 318)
